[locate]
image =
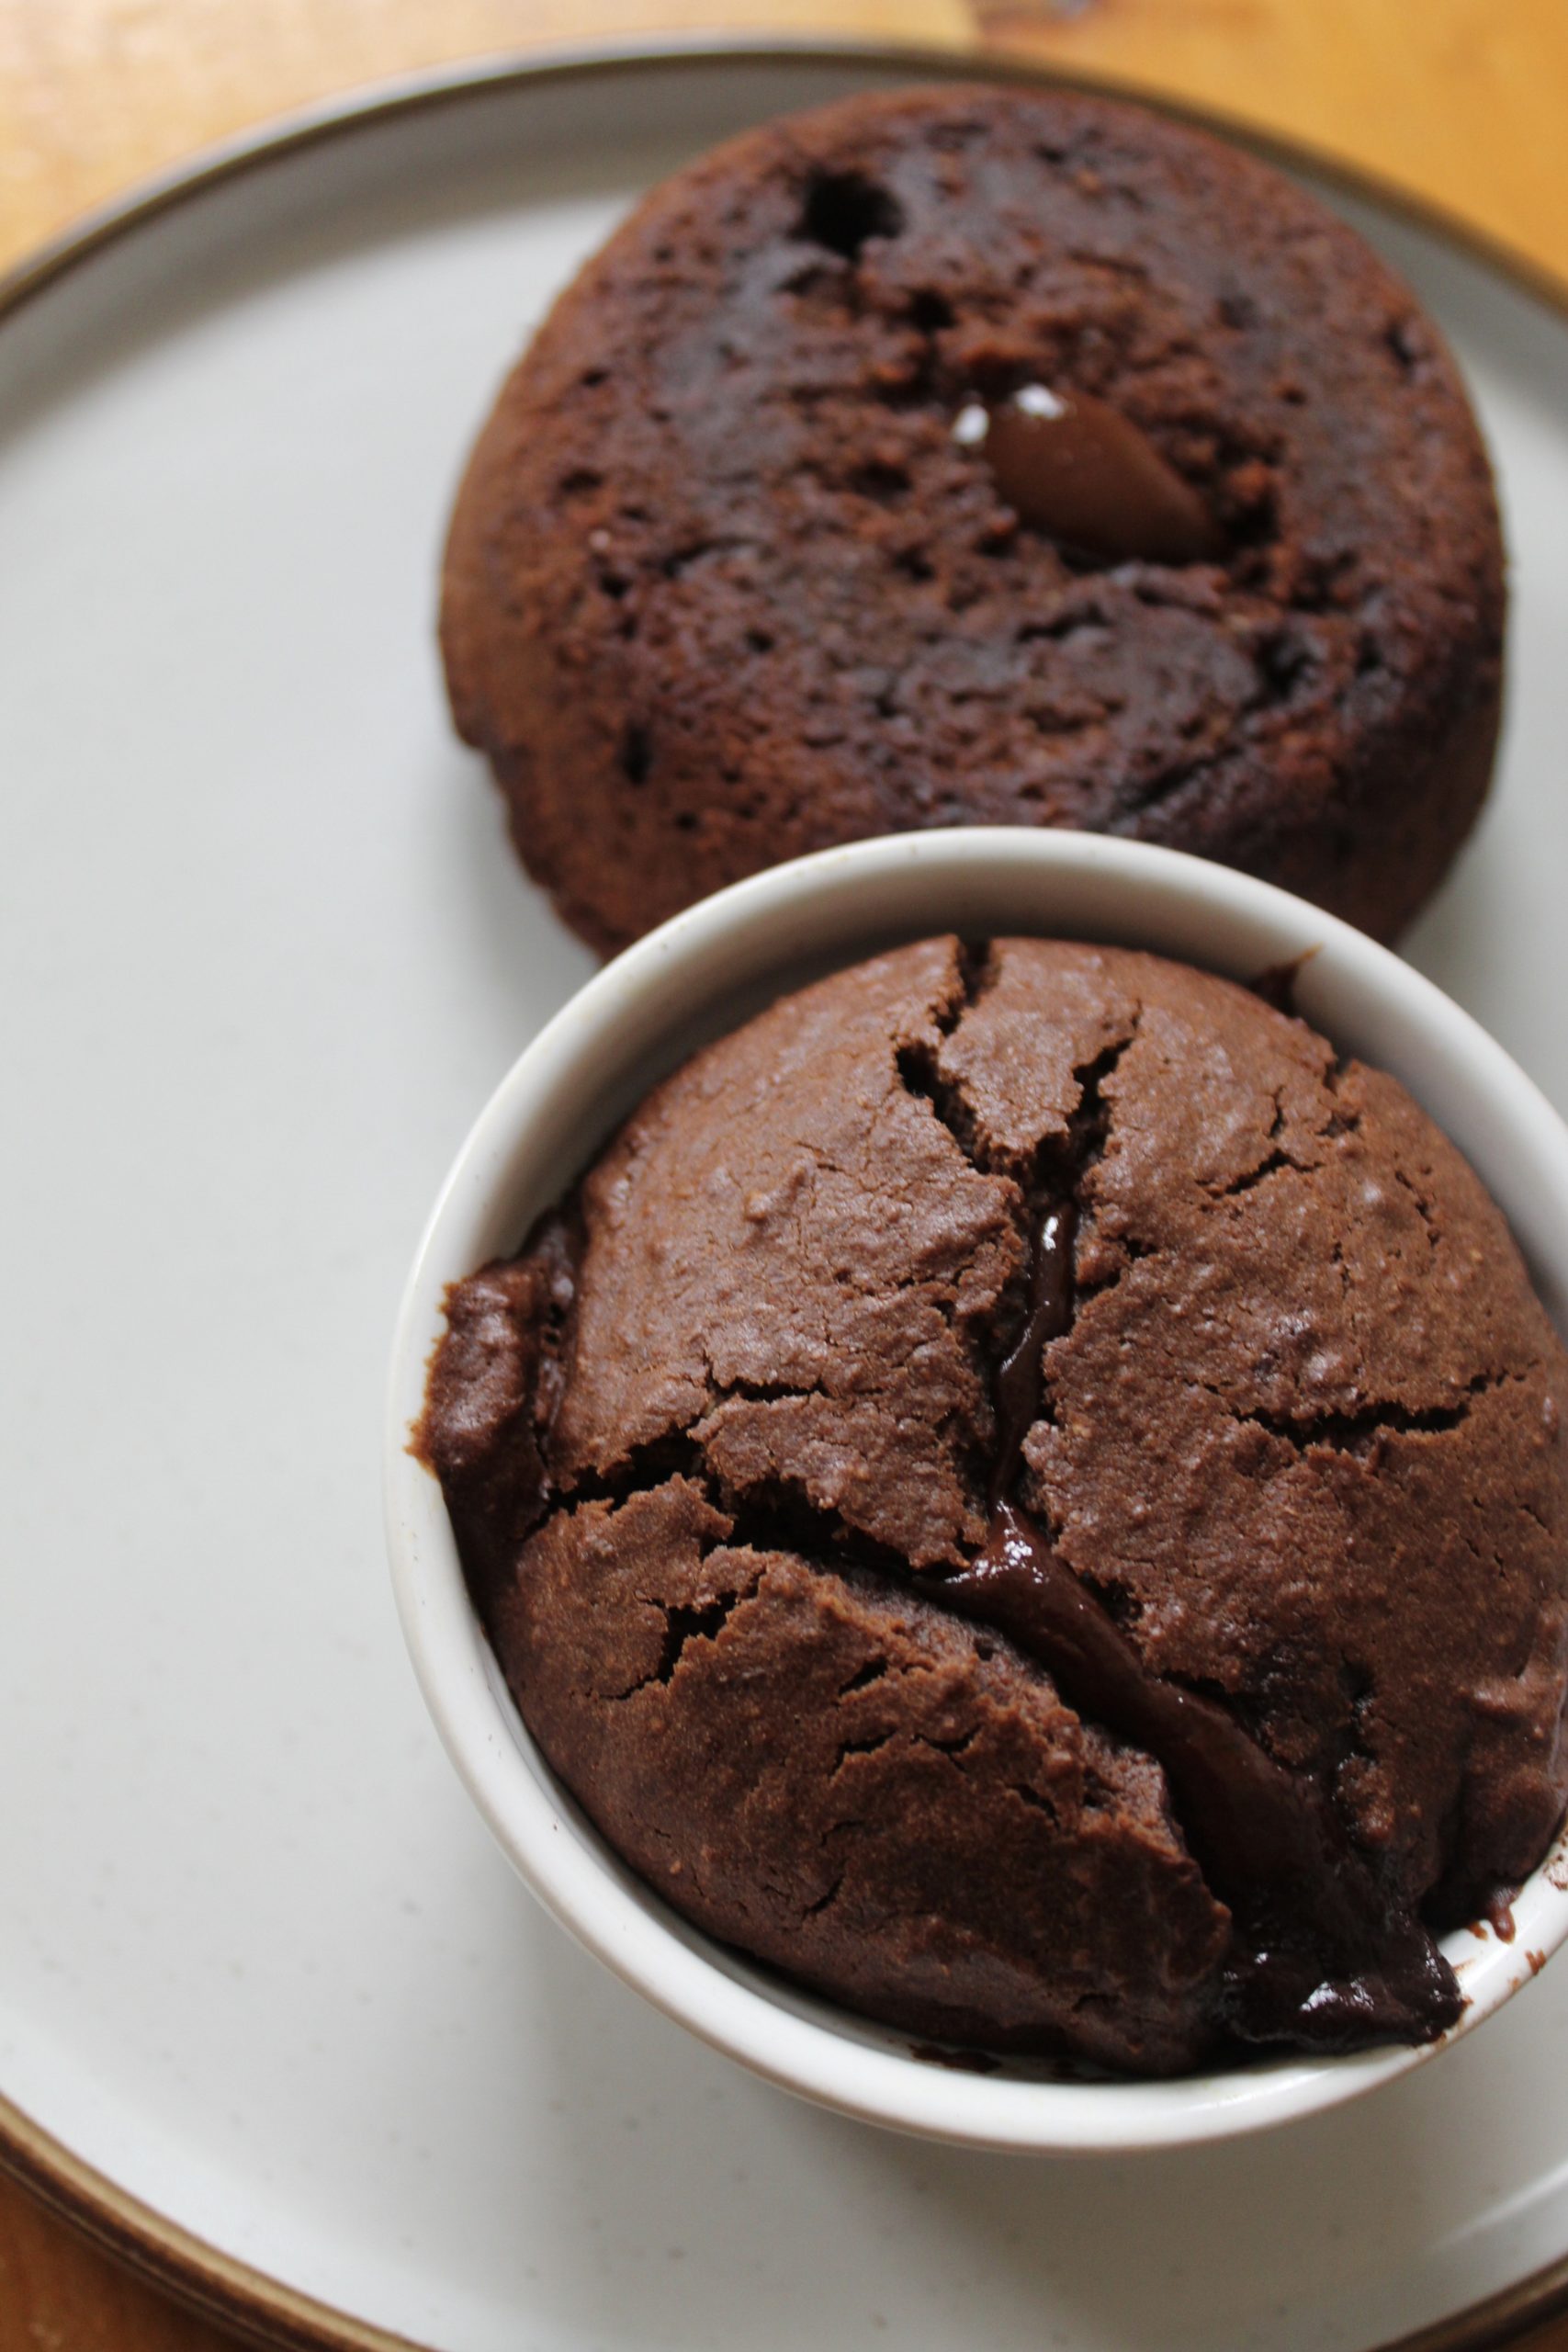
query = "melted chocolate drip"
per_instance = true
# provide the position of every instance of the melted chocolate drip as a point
(494, 1389)
(1319, 1956)
(1049, 1312)
(1498, 1913)
(1074, 468)
(556, 1244)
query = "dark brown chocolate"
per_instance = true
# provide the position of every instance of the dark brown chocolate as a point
(1072, 466)
(1321, 1957)
(1048, 1313)
(495, 1387)
(1498, 1913)
(1039, 1507)
(724, 585)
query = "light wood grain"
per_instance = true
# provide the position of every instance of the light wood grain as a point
(60, 2294)
(96, 94)
(1458, 104)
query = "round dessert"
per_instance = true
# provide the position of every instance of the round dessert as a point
(974, 456)
(1024, 1491)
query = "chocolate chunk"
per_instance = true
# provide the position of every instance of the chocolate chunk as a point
(1077, 468)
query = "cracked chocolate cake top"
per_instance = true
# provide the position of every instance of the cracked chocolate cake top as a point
(971, 455)
(1023, 1490)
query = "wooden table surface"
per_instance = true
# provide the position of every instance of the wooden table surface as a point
(1457, 104)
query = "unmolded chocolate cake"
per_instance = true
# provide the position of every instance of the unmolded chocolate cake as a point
(1024, 1491)
(970, 456)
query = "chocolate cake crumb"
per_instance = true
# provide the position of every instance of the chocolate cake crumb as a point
(972, 456)
(1075, 1241)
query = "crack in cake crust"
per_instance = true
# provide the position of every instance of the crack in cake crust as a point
(801, 1275)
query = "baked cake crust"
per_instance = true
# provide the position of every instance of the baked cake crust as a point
(717, 1444)
(723, 585)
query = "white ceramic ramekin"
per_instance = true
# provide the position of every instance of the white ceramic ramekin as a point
(702, 973)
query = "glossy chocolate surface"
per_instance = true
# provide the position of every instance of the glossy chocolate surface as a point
(1078, 469)
(1320, 1957)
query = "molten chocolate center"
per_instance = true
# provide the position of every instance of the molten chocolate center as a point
(1320, 1954)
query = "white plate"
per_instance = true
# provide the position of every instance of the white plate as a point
(264, 952)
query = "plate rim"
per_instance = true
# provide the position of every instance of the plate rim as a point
(389, 98)
(235, 2294)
